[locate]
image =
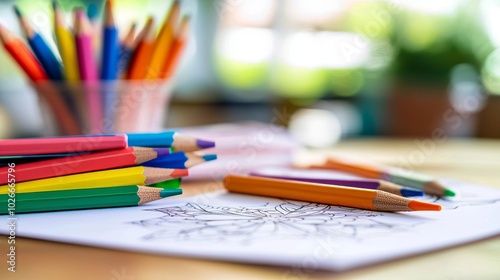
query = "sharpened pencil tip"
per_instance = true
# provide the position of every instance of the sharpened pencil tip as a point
(423, 206)
(92, 11)
(54, 5)
(448, 192)
(177, 173)
(411, 192)
(205, 144)
(170, 192)
(209, 157)
(162, 151)
(17, 11)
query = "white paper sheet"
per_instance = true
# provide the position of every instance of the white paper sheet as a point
(300, 235)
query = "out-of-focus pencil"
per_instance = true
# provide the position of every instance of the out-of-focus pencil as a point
(23, 56)
(397, 176)
(163, 42)
(178, 47)
(88, 69)
(30, 65)
(110, 47)
(40, 48)
(137, 175)
(82, 163)
(126, 49)
(142, 56)
(66, 45)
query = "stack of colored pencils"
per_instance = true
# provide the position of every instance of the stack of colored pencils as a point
(83, 172)
(140, 56)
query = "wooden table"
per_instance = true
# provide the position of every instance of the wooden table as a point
(473, 160)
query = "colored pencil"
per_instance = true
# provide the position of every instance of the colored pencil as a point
(178, 47)
(30, 65)
(59, 145)
(126, 49)
(66, 46)
(380, 185)
(163, 42)
(328, 194)
(82, 163)
(40, 48)
(176, 140)
(86, 198)
(170, 184)
(142, 56)
(4, 160)
(87, 68)
(397, 176)
(23, 56)
(110, 47)
(137, 175)
(109, 64)
(178, 160)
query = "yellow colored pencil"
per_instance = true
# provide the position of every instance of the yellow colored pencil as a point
(137, 175)
(66, 45)
(163, 43)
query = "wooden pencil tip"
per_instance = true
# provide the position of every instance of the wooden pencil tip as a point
(54, 5)
(416, 205)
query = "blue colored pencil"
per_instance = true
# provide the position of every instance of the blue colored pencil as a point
(109, 64)
(176, 140)
(126, 49)
(179, 160)
(42, 51)
(111, 46)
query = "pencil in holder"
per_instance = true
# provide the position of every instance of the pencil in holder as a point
(103, 107)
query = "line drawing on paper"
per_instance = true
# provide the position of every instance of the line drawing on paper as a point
(288, 219)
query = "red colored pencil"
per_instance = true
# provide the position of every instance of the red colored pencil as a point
(61, 145)
(82, 163)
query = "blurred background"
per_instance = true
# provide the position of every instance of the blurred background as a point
(325, 69)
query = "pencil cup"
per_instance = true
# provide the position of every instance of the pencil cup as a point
(103, 107)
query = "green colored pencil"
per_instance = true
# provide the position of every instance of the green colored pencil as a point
(84, 198)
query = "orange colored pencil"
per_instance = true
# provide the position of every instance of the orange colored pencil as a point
(163, 43)
(328, 194)
(177, 49)
(23, 56)
(142, 56)
(363, 170)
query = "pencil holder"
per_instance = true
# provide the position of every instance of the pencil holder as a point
(103, 107)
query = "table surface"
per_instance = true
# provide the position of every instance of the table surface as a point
(471, 160)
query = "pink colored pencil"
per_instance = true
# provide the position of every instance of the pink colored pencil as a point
(88, 69)
(61, 145)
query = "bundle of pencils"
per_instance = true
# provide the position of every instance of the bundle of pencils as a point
(142, 56)
(95, 171)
